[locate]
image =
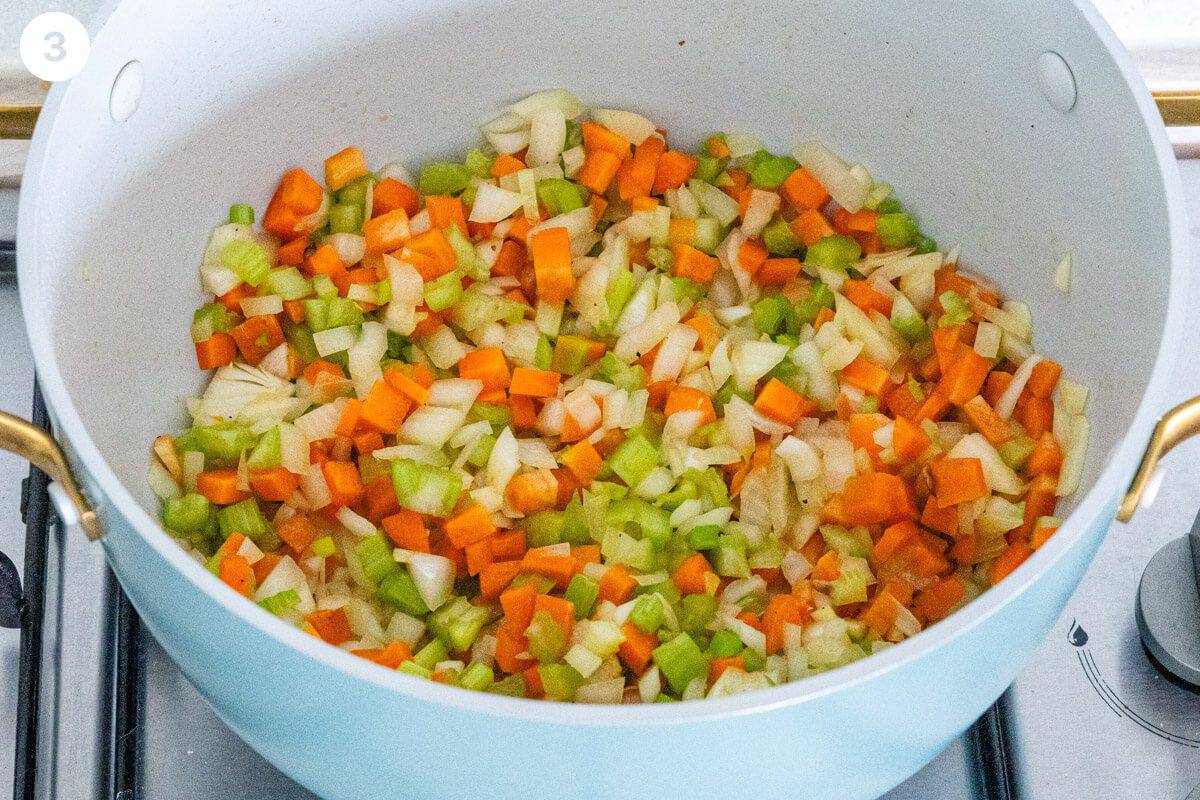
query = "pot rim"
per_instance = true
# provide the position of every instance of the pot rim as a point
(1098, 501)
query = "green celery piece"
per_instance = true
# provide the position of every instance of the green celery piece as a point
(779, 239)
(241, 214)
(355, 192)
(209, 319)
(769, 314)
(443, 292)
(708, 167)
(425, 489)
(575, 528)
(956, 309)
(570, 354)
(560, 681)
(431, 654)
(443, 177)
(616, 295)
(324, 286)
(497, 416)
(457, 623)
(547, 641)
(281, 603)
(582, 592)
(187, 515)
(619, 547)
(478, 163)
(674, 498)
(342, 311)
(907, 321)
(375, 555)
(345, 218)
(729, 557)
(833, 252)
(878, 194)
(725, 644)
(849, 587)
(1016, 452)
(820, 296)
(846, 542)
(710, 485)
(649, 521)
(560, 195)
(889, 205)
(680, 661)
(399, 347)
(924, 244)
(869, 405)
(703, 537)
(482, 452)
(289, 284)
(299, 337)
(769, 171)
(475, 309)
(753, 661)
(896, 230)
(398, 589)
(647, 613)
(466, 260)
(247, 260)
(543, 356)
(266, 453)
(512, 686)
(629, 377)
(660, 258)
(685, 287)
(543, 528)
(221, 444)
(411, 667)
(316, 314)
(574, 135)
(633, 460)
(709, 234)
(323, 547)
(247, 519)
(698, 610)
(477, 677)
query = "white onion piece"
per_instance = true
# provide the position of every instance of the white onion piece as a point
(673, 353)
(642, 338)
(358, 525)
(287, 575)
(351, 247)
(333, 340)
(847, 190)
(454, 392)
(434, 577)
(561, 99)
(321, 422)
(1006, 403)
(627, 124)
(493, 204)
(547, 134)
(443, 347)
(316, 491)
(431, 425)
(759, 211)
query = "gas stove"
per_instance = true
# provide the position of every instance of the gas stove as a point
(102, 712)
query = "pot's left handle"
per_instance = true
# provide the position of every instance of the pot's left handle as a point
(39, 448)
(1177, 425)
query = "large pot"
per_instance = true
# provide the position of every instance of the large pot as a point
(944, 100)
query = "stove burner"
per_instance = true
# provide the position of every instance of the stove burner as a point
(1168, 607)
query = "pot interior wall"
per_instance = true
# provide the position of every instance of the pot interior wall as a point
(940, 100)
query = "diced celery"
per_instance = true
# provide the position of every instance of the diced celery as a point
(674, 498)
(854, 542)
(476, 309)
(924, 244)
(779, 239)
(647, 613)
(571, 354)
(685, 287)
(560, 195)
(620, 548)
(209, 319)
(955, 307)
(299, 338)
(633, 459)
(582, 592)
(345, 218)
(623, 376)
(543, 528)
(820, 296)
(769, 171)
(851, 585)
(709, 484)
(496, 416)
(543, 356)
(247, 519)
(709, 234)
(680, 661)
(281, 603)
(477, 677)
(443, 292)
(889, 205)
(355, 192)
(575, 528)
(660, 258)
(708, 167)
(398, 589)
(729, 557)
(752, 660)
(896, 230)
(703, 537)
(617, 293)
(879, 192)
(375, 555)
(413, 668)
(322, 547)
(478, 163)
(560, 681)
(698, 611)
(640, 518)
(907, 320)
(431, 654)
(458, 622)
(288, 283)
(247, 260)
(266, 453)
(512, 686)
(833, 252)
(241, 214)
(771, 314)
(482, 452)
(1016, 452)
(547, 641)
(187, 515)
(221, 444)
(725, 644)
(425, 489)
(443, 177)
(466, 260)
(324, 286)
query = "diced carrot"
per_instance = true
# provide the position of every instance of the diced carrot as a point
(965, 548)
(781, 611)
(635, 177)
(510, 261)
(344, 482)
(235, 573)
(690, 576)
(532, 491)
(875, 497)
(810, 226)
(909, 440)
(938, 600)
(407, 386)
(343, 167)
(391, 656)
(487, 365)
(687, 398)
(220, 486)
(1047, 456)
(534, 382)
(510, 545)
(1013, 556)
(430, 254)
(517, 605)
(692, 264)
(597, 137)
(936, 518)
(331, 625)
(275, 484)
(297, 197)
(966, 376)
(997, 381)
(551, 252)
(617, 584)
(673, 170)
(560, 610)
(510, 643)
(291, 254)
(782, 403)
(598, 170)
(1040, 499)
(506, 164)
(869, 377)
(324, 261)
(379, 494)
(804, 191)
(935, 405)
(949, 279)
(584, 461)
(384, 408)
(894, 537)
(387, 232)
(258, 336)
(321, 370)
(751, 256)
(297, 532)
(217, 350)
(470, 525)
(881, 615)
(643, 204)
(478, 555)
(958, 480)
(1041, 534)
(390, 194)
(901, 402)
(681, 230)
(407, 530)
(828, 567)
(717, 667)
(367, 442)
(524, 415)
(637, 648)
(946, 343)
(867, 297)
(445, 211)
(985, 420)
(348, 422)
(823, 316)
(777, 271)
(1037, 416)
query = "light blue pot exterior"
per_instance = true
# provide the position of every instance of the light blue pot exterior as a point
(114, 215)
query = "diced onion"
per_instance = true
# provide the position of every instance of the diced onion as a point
(433, 576)
(333, 340)
(493, 204)
(627, 124)
(351, 247)
(547, 133)
(1062, 274)
(847, 190)
(358, 525)
(1006, 403)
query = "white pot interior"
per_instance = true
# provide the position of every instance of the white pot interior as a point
(942, 102)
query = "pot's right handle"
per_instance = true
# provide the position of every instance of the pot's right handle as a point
(40, 449)
(1180, 423)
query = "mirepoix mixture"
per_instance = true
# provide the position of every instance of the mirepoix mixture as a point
(590, 416)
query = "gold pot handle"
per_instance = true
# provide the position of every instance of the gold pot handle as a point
(1179, 424)
(40, 449)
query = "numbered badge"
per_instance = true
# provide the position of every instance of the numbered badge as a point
(55, 46)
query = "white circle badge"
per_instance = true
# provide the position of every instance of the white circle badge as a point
(55, 46)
